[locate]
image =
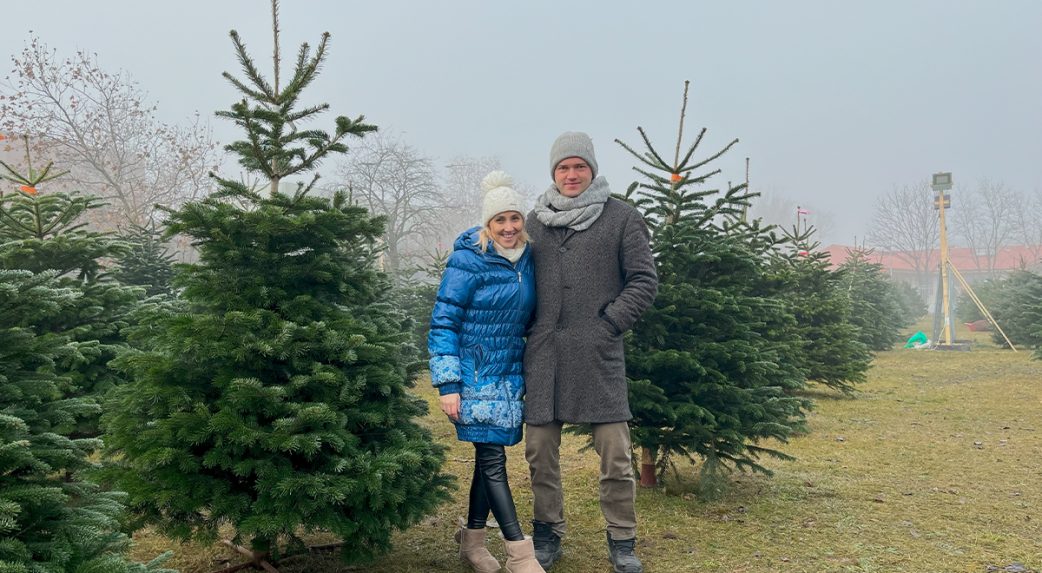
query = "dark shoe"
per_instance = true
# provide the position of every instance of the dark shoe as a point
(620, 553)
(547, 544)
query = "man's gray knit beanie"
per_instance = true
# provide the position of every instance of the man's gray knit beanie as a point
(572, 144)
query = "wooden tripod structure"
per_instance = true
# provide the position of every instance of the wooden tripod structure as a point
(942, 182)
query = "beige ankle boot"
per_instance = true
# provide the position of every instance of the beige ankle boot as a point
(472, 550)
(521, 557)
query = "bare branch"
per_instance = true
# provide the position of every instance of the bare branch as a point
(101, 126)
(985, 220)
(392, 179)
(906, 224)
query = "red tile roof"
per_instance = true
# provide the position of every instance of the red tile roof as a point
(1008, 258)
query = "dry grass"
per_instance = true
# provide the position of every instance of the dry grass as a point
(936, 466)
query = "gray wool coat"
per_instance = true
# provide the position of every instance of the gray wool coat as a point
(591, 287)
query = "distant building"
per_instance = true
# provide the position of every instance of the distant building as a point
(974, 266)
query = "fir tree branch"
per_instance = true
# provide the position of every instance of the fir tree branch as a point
(716, 155)
(265, 93)
(694, 146)
(637, 155)
(651, 150)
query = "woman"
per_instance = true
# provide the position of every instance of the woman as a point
(476, 343)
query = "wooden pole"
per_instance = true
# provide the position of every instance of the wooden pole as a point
(980, 305)
(946, 331)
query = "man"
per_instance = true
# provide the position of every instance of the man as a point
(595, 276)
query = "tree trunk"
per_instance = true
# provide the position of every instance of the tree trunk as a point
(647, 468)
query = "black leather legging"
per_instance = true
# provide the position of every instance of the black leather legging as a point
(489, 490)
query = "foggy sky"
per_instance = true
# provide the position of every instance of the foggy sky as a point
(834, 102)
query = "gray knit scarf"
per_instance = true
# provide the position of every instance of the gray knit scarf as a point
(577, 213)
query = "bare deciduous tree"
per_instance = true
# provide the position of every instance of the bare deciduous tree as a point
(392, 179)
(1029, 224)
(906, 224)
(985, 220)
(101, 127)
(461, 191)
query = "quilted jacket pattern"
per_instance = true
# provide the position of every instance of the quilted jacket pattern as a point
(477, 339)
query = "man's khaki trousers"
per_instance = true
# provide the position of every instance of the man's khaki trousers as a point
(617, 486)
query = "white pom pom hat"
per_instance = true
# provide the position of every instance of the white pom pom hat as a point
(499, 196)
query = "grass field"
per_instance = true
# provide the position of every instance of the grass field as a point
(934, 467)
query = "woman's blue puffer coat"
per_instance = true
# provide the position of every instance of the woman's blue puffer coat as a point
(477, 339)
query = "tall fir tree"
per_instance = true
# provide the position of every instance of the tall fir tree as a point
(42, 230)
(832, 353)
(711, 363)
(50, 518)
(277, 402)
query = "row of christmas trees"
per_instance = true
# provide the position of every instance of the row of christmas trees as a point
(265, 387)
(61, 317)
(745, 317)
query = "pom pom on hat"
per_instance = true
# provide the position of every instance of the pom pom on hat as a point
(496, 179)
(499, 196)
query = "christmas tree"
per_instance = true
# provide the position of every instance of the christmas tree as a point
(147, 261)
(277, 401)
(831, 352)
(711, 363)
(874, 308)
(42, 230)
(1015, 302)
(415, 297)
(50, 519)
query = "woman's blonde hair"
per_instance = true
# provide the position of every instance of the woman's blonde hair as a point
(485, 235)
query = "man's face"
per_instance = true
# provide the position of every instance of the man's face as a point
(572, 176)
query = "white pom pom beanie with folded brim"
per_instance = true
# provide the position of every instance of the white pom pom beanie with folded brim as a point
(499, 196)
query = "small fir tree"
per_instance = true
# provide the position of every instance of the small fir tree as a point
(42, 230)
(1015, 301)
(832, 352)
(147, 261)
(911, 303)
(50, 519)
(874, 308)
(987, 291)
(277, 401)
(415, 296)
(711, 363)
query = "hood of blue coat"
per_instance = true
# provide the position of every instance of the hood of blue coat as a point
(468, 241)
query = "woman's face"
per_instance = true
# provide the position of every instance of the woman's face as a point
(506, 228)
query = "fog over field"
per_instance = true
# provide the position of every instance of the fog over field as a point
(836, 103)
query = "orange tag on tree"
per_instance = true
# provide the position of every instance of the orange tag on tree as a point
(28, 189)
(2, 137)
(675, 177)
